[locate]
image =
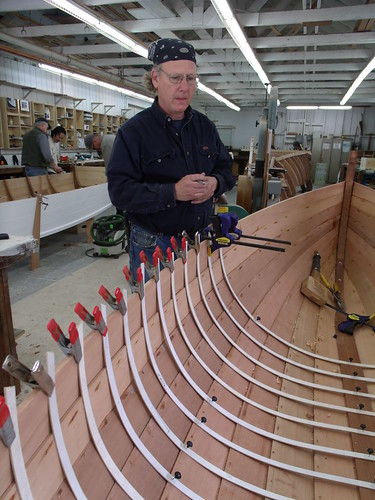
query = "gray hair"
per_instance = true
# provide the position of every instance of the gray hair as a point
(147, 78)
(88, 140)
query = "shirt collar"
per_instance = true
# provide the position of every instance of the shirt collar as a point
(163, 117)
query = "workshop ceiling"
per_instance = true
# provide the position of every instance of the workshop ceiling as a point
(312, 51)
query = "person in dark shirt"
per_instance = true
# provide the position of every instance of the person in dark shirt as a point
(167, 162)
(36, 153)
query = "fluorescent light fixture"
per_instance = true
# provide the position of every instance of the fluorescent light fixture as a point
(340, 108)
(357, 82)
(99, 25)
(335, 107)
(217, 96)
(52, 69)
(302, 107)
(236, 31)
(120, 38)
(93, 81)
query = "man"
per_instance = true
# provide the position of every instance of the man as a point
(57, 134)
(36, 153)
(101, 143)
(168, 161)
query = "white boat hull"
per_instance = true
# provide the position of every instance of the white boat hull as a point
(60, 211)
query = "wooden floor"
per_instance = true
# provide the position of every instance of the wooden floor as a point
(227, 381)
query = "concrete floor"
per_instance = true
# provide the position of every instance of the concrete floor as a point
(66, 276)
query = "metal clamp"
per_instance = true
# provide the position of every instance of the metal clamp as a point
(37, 377)
(69, 346)
(152, 270)
(7, 433)
(135, 286)
(117, 303)
(180, 252)
(167, 261)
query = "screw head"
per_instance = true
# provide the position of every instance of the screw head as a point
(177, 475)
(350, 359)
(363, 426)
(189, 444)
(361, 406)
(355, 373)
(370, 451)
(203, 419)
(214, 398)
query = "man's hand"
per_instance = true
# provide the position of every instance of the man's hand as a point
(56, 168)
(196, 188)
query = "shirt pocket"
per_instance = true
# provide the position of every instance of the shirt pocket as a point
(208, 155)
(160, 165)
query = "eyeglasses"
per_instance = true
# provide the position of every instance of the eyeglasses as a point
(178, 79)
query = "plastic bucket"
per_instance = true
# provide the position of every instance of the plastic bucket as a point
(321, 171)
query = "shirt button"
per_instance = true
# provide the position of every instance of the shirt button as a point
(198, 218)
(168, 206)
(159, 160)
(168, 119)
(187, 153)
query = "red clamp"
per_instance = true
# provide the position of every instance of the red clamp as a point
(180, 252)
(58, 336)
(117, 302)
(7, 433)
(165, 261)
(135, 286)
(150, 269)
(75, 342)
(66, 345)
(85, 316)
(102, 327)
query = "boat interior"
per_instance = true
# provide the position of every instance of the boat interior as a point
(217, 378)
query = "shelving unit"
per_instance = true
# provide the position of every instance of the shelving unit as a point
(1, 135)
(14, 123)
(44, 111)
(18, 117)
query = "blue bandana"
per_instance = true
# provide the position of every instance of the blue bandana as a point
(170, 49)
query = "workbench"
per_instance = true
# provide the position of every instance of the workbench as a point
(11, 250)
(7, 171)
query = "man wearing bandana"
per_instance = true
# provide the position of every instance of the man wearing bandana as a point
(167, 162)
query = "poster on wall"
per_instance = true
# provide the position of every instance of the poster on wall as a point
(11, 103)
(24, 106)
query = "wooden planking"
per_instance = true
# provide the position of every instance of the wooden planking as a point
(89, 176)
(61, 182)
(275, 280)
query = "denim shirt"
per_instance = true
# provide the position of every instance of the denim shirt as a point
(149, 157)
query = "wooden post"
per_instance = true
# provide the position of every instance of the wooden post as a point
(7, 340)
(35, 258)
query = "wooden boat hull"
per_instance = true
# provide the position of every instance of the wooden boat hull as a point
(224, 381)
(60, 211)
(67, 200)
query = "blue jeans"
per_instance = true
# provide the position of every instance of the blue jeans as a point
(32, 171)
(140, 239)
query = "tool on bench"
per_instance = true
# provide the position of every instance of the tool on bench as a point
(336, 294)
(223, 232)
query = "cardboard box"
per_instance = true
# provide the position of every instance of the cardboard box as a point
(367, 164)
